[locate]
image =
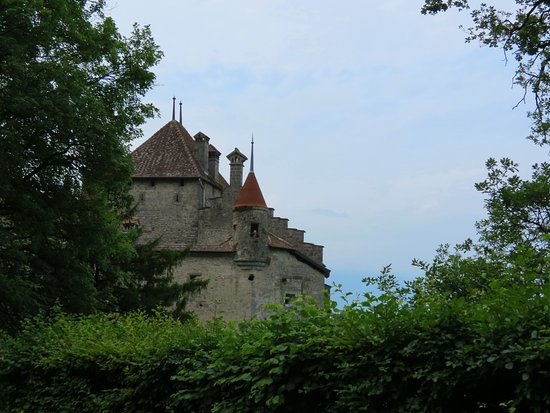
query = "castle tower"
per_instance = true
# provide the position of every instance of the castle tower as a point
(250, 223)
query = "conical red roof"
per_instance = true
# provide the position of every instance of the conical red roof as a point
(251, 194)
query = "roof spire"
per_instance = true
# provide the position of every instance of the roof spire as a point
(180, 110)
(174, 108)
(252, 154)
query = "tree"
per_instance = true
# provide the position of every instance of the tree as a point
(514, 238)
(523, 33)
(151, 285)
(70, 103)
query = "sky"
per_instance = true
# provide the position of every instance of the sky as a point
(371, 121)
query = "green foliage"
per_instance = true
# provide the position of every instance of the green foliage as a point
(384, 354)
(70, 103)
(473, 335)
(513, 243)
(524, 33)
(514, 239)
(518, 209)
(150, 283)
(99, 363)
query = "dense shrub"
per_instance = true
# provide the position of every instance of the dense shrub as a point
(382, 355)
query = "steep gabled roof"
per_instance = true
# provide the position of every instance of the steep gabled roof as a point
(167, 154)
(251, 194)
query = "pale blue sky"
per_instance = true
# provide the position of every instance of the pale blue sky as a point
(372, 122)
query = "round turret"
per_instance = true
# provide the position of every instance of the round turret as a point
(250, 223)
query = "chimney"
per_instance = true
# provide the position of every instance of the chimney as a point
(236, 165)
(201, 150)
(213, 162)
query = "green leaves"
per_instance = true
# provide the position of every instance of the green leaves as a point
(523, 34)
(70, 101)
(436, 6)
(437, 356)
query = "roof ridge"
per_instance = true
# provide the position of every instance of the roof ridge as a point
(168, 153)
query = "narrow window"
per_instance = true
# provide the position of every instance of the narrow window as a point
(177, 197)
(182, 182)
(254, 230)
(153, 183)
(142, 196)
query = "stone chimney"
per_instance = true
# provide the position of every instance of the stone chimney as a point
(236, 165)
(213, 162)
(201, 150)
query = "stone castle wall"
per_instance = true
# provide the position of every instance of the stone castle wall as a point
(169, 208)
(234, 293)
(279, 227)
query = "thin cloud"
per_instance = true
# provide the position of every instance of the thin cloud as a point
(329, 213)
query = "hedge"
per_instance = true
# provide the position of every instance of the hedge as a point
(376, 356)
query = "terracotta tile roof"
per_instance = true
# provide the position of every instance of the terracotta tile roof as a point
(251, 194)
(167, 154)
(220, 180)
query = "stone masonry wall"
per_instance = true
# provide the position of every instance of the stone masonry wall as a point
(169, 208)
(313, 251)
(285, 266)
(234, 293)
(229, 291)
(279, 227)
(215, 223)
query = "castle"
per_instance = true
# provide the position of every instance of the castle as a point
(249, 256)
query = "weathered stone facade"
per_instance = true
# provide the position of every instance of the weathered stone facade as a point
(250, 257)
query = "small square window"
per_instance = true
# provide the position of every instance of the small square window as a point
(255, 230)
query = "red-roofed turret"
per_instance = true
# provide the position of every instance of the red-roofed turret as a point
(250, 220)
(251, 194)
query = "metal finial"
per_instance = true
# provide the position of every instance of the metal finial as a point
(180, 110)
(252, 154)
(174, 108)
